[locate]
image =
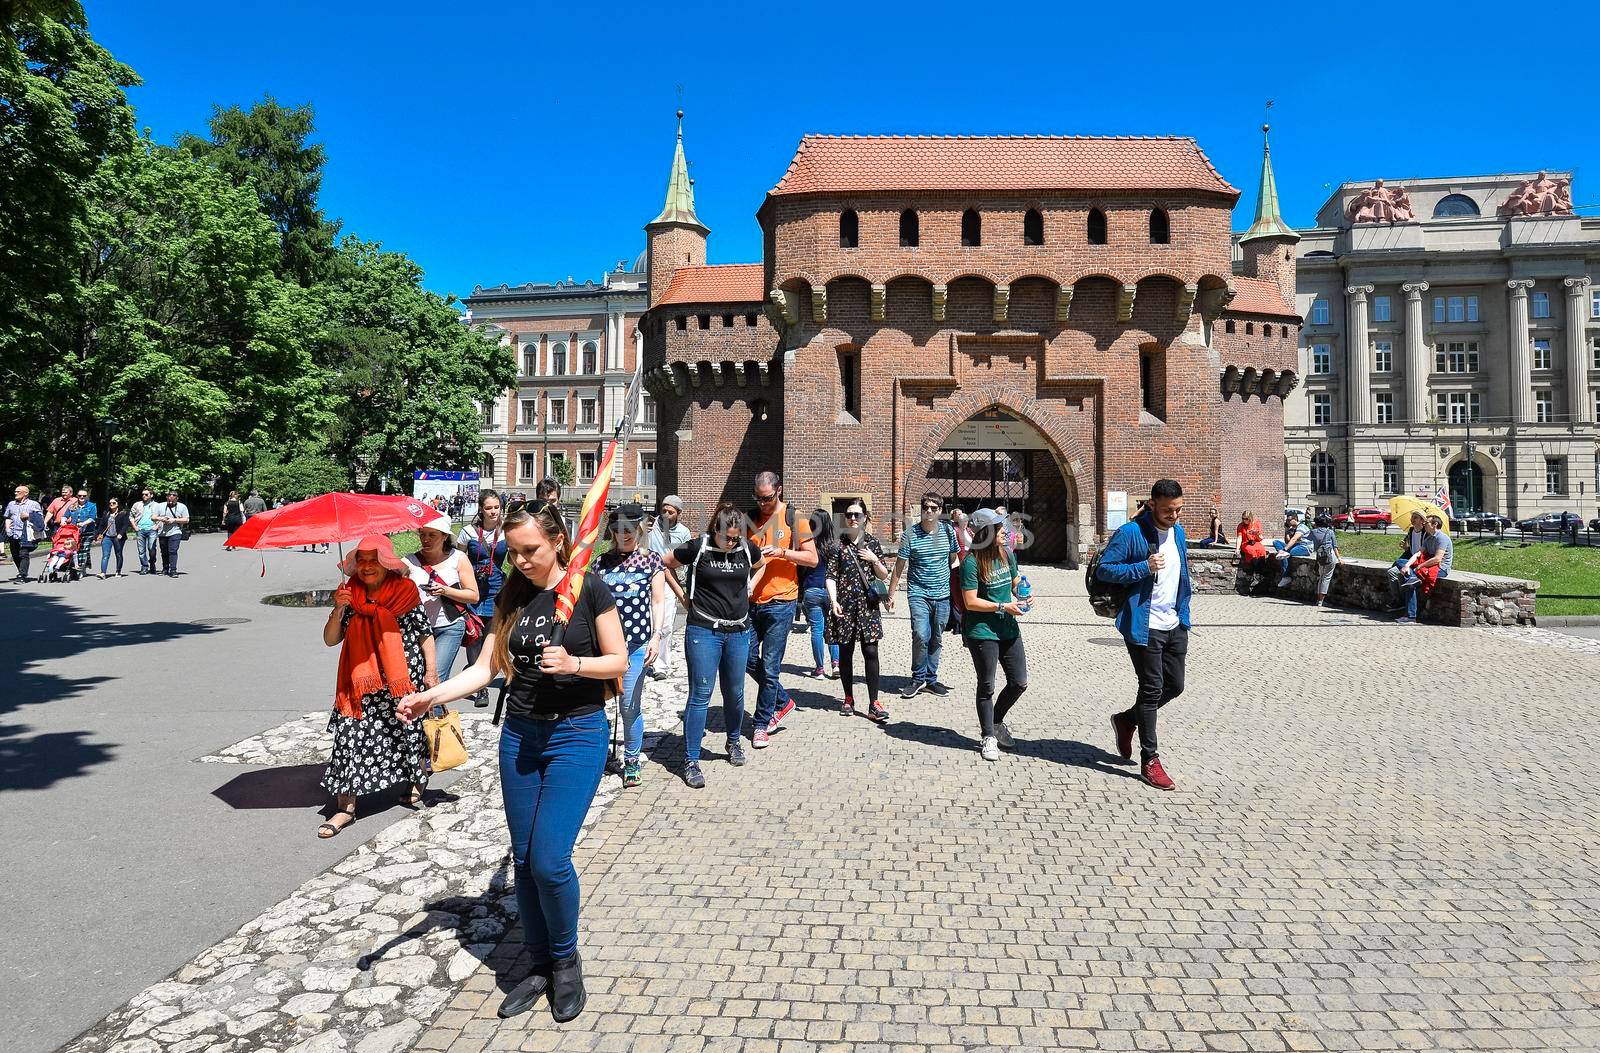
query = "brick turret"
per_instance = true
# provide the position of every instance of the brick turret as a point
(1268, 246)
(676, 238)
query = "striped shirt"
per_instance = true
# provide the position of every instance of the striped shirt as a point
(927, 555)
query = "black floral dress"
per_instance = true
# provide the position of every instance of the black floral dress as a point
(861, 622)
(380, 749)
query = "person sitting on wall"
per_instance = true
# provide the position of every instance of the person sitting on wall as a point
(1292, 544)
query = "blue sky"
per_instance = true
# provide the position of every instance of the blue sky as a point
(530, 142)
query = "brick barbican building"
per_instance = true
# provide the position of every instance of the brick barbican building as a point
(1048, 322)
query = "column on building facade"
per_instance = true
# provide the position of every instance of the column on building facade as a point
(1579, 408)
(1521, 380)
(1417, 365)
(1359, 356)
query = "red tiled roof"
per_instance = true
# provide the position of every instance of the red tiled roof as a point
(1259, 296)
(722, 283)
(844, 163)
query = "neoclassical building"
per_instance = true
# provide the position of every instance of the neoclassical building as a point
(1049, 322)
(1452, 337)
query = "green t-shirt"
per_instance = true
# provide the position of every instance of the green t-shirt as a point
(989, 625)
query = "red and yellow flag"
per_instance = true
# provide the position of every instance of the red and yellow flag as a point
(589, 522)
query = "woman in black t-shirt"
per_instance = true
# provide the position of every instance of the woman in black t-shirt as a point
(553, 745)
(717, 639)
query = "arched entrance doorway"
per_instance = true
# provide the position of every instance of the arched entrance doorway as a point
(1467, 493)
(997, 458)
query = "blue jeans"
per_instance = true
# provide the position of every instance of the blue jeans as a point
(1411, 585)
(549, 771)
(631, 704)
(147, 551)
(446, 642)
(928, 615)
(1284, 554)
(769, 635)
(816, 605)
(109, 544)
(712, 654)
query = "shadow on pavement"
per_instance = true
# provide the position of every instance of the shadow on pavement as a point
(291, 786)
(37, 762)
(1062, 751)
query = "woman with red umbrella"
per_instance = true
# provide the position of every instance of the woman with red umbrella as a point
(387, 654)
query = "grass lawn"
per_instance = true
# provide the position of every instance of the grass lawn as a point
(1561, 570)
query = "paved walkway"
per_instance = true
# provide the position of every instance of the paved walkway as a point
(1383, 838)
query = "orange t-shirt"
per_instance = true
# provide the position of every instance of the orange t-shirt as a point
(780, 580)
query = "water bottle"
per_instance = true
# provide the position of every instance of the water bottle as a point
(1025, 594)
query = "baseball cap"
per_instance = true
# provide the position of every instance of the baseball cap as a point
(984, 517)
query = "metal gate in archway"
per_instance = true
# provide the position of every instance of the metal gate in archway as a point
(995, 458)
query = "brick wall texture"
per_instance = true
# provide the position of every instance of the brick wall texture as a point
(1000, 343)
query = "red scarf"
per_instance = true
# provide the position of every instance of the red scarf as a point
(374, 656)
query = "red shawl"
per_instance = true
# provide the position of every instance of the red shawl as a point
(374, 656)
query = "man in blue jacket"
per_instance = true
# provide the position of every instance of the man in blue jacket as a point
(1149, 557)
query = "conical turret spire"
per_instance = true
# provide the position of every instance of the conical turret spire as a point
(1269, 223)
(680, 190)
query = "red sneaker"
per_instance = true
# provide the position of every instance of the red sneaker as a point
(1124, 726)
(777, 718)
(759, 740)
(877, 714)
(848, 708)
(1155, 775)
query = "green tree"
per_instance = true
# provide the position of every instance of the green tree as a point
(268, 148)
(406, 376)
(63, 110)
(184, 333)
(299, 475)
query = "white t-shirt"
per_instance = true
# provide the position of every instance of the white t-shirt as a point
(1164, 600)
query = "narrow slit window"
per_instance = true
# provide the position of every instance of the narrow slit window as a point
(1033, 228)
(849, 229)
(971, 228)
(1097, 227)
(1160, 227)
(910, 229)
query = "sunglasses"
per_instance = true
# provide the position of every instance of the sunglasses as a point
(852, 515)
(933, 508)
(764, 498)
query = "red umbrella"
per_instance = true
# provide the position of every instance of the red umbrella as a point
(331, 517)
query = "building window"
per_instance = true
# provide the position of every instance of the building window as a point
(1594, 305)
(750, 319)
(1458, 407)
(1228, 325)
(1033, 227)
(1249, 329)
(850, 381)
(1153, 383)
(1385, 408)
(647, 469)
(558, 413)
(530, 360)
(727, 321)
(910, 229)
(1322, 481)
(527, 467)
(703, 321)
(1321, 359)
(1097, 227)
(1541, 354)
(1438, 308)
(487, 469)
(1457, 356)
(558, 360)
(1541, 305)
(1392, 483)
(1160, 227)
(1453, 206)
(1383, 356)
(586, 466)
(486, 413)
(849, 229)
(588, 413)
(683, 322)
(647, 410)
(1319, 312)
(591, 357)
(971, 228)
(1555, 475)
(530, 413)
(1544, 407)
(1321, 410)
(1382, 310)
(556, 457)
(1455, 308)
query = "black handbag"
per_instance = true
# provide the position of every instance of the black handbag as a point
(876, 589)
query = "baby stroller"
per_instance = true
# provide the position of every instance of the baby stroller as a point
(62, 563)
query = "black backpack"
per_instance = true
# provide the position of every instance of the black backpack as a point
(1104, 597)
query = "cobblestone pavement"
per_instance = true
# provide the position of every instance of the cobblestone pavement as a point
(1383, 838)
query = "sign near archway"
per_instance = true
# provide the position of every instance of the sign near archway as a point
(995, 429)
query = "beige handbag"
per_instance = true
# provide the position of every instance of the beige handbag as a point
(447, 747)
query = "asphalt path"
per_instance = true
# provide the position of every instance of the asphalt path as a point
(123, 855)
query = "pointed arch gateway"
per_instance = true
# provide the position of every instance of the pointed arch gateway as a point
(995, 456)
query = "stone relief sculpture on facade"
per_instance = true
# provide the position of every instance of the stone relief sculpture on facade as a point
(1379, 204)
(1540, 196)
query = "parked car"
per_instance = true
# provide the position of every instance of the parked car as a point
(1551, 523)
(1480, 521)
(1594, 524)
(1362, 517)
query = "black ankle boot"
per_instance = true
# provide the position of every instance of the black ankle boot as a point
(521, 999)
(567, 995)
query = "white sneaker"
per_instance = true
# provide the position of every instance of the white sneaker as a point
(991, 749)
(1002, 735)
(1283, 582)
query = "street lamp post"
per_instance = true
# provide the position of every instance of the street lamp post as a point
(109, 429)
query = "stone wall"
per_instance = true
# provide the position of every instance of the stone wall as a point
(1461, 599)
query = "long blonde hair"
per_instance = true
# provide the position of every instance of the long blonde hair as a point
(518, 590)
